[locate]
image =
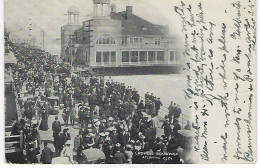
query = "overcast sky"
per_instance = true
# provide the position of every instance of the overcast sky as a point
(50, 15)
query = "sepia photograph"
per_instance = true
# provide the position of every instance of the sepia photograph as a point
(95, 82)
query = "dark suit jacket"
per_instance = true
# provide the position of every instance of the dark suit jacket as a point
(46, 156)
(62, 140)
(56, 126)
(119, 158)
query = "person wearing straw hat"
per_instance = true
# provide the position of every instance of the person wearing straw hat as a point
(107, 137)
(67, 151)
(114, 136)
(102, 126)
(129, 153)
(90, 145)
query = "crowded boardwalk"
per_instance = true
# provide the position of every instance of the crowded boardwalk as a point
(68, 117)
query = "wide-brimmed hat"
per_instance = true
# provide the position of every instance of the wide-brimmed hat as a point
(138, 148)
(106, 133)
(97, 123)
(68, 142)
(95, 120)
(142, 137)
(89, 130)
(65, 129)
(118, 144)
(110, 118)
(129, 146)
(132, 141)
(91, 134)
(90, 144)
(114, 123)
(114, 129)
(102, 134)
(104, 120)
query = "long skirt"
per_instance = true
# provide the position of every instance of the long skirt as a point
(44, 125)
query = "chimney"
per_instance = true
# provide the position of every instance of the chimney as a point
(129, 11)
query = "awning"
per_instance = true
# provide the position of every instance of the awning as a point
(10, 58)
(8, 78)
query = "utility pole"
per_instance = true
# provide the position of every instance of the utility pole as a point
(43, 34)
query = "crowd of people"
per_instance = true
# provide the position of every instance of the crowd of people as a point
(106, 114)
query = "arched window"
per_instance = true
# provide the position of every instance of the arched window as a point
(105, 39)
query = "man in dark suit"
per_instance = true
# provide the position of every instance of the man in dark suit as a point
(119, 157)
(56, 128)
(171, 109)
(158, 105)
(47, 153)
(62, 139)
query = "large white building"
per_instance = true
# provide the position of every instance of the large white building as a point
(119, 39)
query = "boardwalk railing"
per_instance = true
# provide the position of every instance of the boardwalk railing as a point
(13, 143)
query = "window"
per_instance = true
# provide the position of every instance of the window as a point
(172, 54)
(160, 55)
(100, 40)
(143, 55)
(177, 56)
(135, 40)
(125, 56)
(98, 57)
(131, 40)
(157, 41)
(113, 56)
(151, 55)
(112, 41)
(105, 56)
(105, 39)
(134, 56)
(124, 40)
(86, 53)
